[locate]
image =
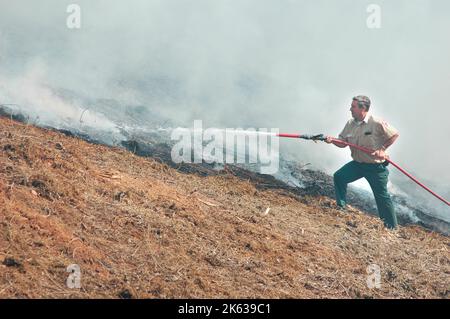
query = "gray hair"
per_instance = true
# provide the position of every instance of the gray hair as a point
(363, 101)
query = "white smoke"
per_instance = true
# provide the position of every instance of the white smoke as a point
(33, 97)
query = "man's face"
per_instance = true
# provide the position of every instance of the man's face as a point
(357, 112)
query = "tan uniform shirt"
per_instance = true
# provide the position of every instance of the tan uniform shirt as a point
(371, 133)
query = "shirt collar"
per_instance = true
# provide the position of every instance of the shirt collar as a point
(366, 119)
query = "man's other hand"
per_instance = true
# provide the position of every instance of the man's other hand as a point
(379, 154)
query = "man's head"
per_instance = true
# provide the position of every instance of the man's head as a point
(360, 107)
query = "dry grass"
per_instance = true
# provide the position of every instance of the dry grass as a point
(134, 224)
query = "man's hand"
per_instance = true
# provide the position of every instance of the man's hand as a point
(379, 154)
(328, 140)
(332, 140)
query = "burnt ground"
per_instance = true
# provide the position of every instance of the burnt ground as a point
(141, 228)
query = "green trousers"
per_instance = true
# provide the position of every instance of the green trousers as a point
(377, 176)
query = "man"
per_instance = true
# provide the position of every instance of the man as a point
(375, 134)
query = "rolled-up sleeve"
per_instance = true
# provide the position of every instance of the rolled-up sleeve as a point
(386, 130)
(343, 135)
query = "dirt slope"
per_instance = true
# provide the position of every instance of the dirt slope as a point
(140, 229)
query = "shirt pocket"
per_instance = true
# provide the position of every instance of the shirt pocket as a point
(367, 139)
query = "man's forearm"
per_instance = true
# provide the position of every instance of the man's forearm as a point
(339, 144)
(389, 142)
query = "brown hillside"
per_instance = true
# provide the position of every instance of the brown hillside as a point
(140, 229)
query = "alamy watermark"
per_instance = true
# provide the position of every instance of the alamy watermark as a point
(229, 146)
(373, 276)
(73, 20)
(374, 19)
(74, 279)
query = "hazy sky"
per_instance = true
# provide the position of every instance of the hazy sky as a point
(237, 63)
